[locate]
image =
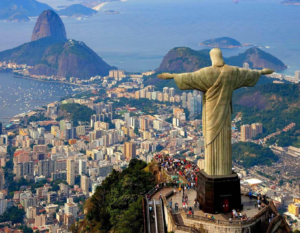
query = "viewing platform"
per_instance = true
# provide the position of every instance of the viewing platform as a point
(258, 220)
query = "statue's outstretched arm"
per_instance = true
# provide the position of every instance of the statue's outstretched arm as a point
(188, 81)
(267, 71)
(248, 78)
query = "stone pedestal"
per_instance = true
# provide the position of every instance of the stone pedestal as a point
(219, 194)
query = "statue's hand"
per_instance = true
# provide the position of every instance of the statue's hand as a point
(267, 71)
(165, 76)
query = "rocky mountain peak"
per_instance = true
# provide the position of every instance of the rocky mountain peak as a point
(49, 24)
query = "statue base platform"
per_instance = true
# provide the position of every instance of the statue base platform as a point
(219, 194)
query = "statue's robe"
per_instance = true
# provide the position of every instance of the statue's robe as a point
(217, 85)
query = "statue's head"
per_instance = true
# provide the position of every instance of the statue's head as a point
(216, 57)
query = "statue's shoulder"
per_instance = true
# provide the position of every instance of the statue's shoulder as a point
(231, 68)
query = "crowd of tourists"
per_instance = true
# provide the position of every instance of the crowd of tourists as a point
(182, 167)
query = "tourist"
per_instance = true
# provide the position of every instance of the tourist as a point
(176, 206)
(179, 189)
(212, 217)
(195, 203)
(174, 191)
(250, 195)
(183, 205)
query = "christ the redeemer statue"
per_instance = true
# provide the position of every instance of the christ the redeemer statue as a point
(217, 84)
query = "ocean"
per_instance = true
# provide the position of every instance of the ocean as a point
(18, 95)
(145, 30)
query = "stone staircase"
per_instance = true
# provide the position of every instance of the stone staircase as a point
(160, 220)
(178, 219)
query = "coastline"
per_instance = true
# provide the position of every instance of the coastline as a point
(20, 76)
(98, 7)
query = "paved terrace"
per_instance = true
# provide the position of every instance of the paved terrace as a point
(249, 205)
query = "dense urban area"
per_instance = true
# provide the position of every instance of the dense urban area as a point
(54, 158)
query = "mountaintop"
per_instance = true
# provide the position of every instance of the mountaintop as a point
(77, 10)
(222, 42)
(184, 59)
(49, 24)
(51, 53)
(28, 8)
(18, 17)
(257, 59)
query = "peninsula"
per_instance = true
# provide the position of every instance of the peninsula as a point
(222, 42)
(50, 53)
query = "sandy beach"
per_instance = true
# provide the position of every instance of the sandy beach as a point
(98, 7)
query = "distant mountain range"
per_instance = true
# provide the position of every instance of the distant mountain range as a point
(21, 10)
(184, 59)
(27, 8)
(77, 10)
(51, 53)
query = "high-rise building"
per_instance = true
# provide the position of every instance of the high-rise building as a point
(195, 93)
(157, 125)
(246, 65)
(85, 183)
(246, 133)
(117, 74)
(183, 99)
(2, 179)
(3, 205)
(129, 150)
(171, 92)
(126, 117)
(46, 167)
(137, 94)
(23, 169)
(256, 129)
(41, 131)
(166, 90)
(297, 75)
(62, 124)
(82, 167)
(71, 207)
(70, 172)
(199, 103)
(144, 123)
(189, 96)
(80, 130)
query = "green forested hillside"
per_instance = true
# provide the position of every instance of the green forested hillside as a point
(116, 205)
(273, 105)
(250, 154)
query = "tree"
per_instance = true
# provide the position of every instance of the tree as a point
(117, 203)
(13, 214)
